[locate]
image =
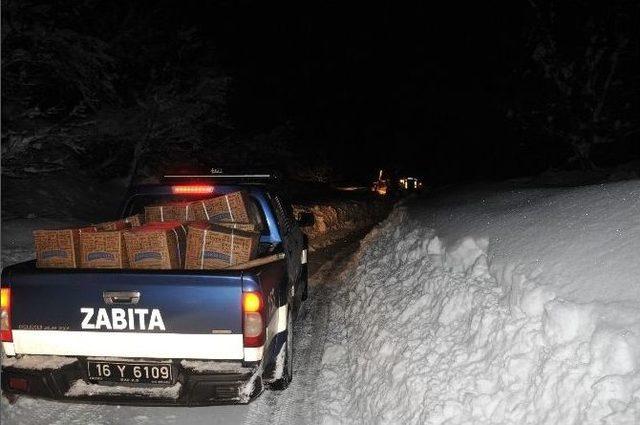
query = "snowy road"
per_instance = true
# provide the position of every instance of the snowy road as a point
(299, 403)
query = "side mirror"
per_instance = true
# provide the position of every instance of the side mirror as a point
(305, 219)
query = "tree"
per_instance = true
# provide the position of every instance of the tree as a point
(79, 96)
(119, 89)
(579, 80)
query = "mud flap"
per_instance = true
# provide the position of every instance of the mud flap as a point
(270, 369)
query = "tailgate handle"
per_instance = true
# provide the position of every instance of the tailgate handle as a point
(121, 297)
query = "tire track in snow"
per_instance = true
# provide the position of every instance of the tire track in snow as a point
(297, 404)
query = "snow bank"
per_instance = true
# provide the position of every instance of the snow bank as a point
(580, 243)
(510, 306)
(337, 219)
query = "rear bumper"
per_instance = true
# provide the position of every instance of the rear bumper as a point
(192, 388)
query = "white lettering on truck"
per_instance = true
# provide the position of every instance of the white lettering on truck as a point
(120, 319)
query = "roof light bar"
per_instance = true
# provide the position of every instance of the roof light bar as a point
(219, 176)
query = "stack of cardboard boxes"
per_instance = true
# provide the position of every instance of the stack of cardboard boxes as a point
(157, 245)
(179, 211)
(210, 246)
(104, 250)
(59, 248)
(206, 234)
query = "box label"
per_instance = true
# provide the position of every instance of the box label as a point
(55, 253)
(101, 256)
(140, 256)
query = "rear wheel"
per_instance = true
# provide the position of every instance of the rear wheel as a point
(286, 373)
(11, 398)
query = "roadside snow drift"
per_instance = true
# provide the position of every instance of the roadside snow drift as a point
(485, 307)
(337, 219)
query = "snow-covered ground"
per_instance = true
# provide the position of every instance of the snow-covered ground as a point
(487, 305)
(492, 306)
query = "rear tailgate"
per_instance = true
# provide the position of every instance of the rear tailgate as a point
(179, 314)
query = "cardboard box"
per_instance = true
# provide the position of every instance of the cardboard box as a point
(180, 211)
(135, 220)
(59, 248)
(247, 227)
(113, 225)
(215, 247)
(103, 250)
(235, 207)
(91, 228)
(159, 245)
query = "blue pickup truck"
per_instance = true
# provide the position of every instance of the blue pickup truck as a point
(168, 337)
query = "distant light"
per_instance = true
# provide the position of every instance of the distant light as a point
(191, 190)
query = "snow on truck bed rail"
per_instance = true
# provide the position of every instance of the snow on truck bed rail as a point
(492, 306)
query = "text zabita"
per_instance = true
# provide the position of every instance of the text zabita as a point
(120, 319)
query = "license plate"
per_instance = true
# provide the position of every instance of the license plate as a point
(137, 373)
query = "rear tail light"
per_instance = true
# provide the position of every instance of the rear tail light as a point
(5, 315)
(19, 384)
(252, 319)
(251, 302)
(191, 189)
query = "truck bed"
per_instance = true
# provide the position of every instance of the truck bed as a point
(185, 314)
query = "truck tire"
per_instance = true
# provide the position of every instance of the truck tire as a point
(11, 398)
(305, 291)
(287, 372)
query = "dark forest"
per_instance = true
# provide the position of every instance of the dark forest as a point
(325, 92)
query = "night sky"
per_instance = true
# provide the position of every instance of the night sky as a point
(449, 91)
(410, 88)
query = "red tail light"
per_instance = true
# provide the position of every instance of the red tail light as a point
(192, 190)
(252, 319)
(19, 384)
(5, 315)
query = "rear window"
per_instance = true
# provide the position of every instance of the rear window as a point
(136, 204)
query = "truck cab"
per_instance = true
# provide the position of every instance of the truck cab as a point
(186, 337)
